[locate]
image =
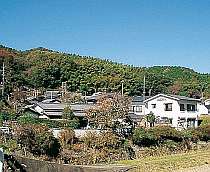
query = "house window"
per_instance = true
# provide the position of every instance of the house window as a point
(170, 120)
(190, 107)
(168, 107)
(182, 108)
(133, 110)
(138, 108)
(190, 123)
(153, 106)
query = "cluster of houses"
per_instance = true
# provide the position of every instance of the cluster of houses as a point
(176, 111)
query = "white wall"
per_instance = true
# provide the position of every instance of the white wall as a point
(160, 108)
(39, 109)
(202, 110)
(207, 102)
(175, 114)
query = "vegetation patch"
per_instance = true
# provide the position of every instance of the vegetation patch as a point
(169, 162)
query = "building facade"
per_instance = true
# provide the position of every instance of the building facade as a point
(180, 111)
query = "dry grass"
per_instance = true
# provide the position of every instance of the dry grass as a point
(169, 162)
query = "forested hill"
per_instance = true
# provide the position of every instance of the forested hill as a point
(43, 68)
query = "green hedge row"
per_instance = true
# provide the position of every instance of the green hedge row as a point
(158, 135)
(29, 119)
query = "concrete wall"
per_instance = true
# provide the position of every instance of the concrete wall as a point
(31, 165)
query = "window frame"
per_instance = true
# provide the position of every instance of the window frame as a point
(182, 108)
(168, 108)
(153, 106)
(191, 107)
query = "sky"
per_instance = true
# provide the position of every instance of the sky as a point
(136, 32)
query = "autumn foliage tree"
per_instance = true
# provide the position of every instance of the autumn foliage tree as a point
(110, 112)
(38, 140)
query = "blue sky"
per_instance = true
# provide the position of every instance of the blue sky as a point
(136, 32)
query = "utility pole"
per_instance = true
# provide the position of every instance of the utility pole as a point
(1, 159)
(64, 88)
(3, 78)
(144, 89)
(122, 87)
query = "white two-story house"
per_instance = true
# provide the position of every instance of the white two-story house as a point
(180, 111)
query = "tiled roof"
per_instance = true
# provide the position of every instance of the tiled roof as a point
(56, 109)
(55, 106)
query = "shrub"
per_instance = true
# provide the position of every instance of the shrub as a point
(29, 119)
(167, 133)
(26, 119)
(95, 148)
(6, 116)
(156, 135)
(46, 144)
(204, 132)
(205, 120)
(105, 139)
(38, 140)
(143, 137)
(66, 137)
(193, 135)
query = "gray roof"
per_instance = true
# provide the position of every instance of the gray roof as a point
(51, 101)
(81, 106)
(48, 113)
(176, 97)
(56, 109)
(51, 106)
(96, 97)
(184, 98)
(137, 100)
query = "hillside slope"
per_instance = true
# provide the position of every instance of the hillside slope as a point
(43, 68)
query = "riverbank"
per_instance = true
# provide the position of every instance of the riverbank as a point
(176, 163)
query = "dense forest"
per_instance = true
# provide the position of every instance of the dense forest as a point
(41, 68)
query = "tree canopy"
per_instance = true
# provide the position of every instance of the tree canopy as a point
(42, 68)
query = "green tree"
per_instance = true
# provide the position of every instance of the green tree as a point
(67, 115)
(150, 119)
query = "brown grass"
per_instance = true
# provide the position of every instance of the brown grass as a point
(169, 162)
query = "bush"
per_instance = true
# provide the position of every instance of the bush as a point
(167, 133)
(46, 144)
(204, 132)
(26, 119)
(143, 137)
(38, 140)
(66, 137)
(156, 135)
(105, 139)
(193, 135)
(6, 116)
(95, 148)
(205, 120)
(29, 119)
